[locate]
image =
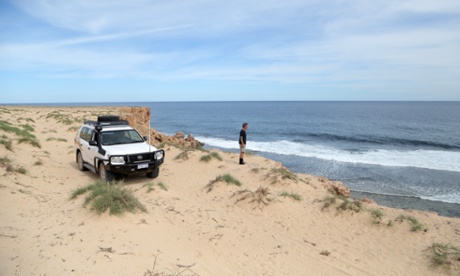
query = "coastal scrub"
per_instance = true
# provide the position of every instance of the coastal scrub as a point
(113, 197)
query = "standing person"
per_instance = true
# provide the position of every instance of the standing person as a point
(242, 142)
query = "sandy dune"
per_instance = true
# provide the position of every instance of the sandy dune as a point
(189, 230)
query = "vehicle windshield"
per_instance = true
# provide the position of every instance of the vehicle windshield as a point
(118, 137)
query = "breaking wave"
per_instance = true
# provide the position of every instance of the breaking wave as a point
(422, 158)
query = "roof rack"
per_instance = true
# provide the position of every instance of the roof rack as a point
(107, 120)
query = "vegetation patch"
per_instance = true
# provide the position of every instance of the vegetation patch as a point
(61, 118)
(151, 186)
(23, 133)
(328, 201)
(346, 204)
(26, 119)
(444, 256)
(5, 141)
(415, 224)
(184, 155)
(113, 197)
(261, 196)
(377, 216)
(56, 139)
(7, 163)
(208, 157)
(291, 195)
(285, 173)
(227, 178)
(352, 205)
(28, 127)
(74, 128)
(21, 170)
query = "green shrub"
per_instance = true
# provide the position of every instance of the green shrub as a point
(21, 170)
(184, 155)
(286, 174)
(31, 140)
(208, 157)
(291, 195)
(4, 140)
(227, 178)
(61, 118)
(23, 134)
(377, 216)
(113, 197)
(28, 127)
(328, 201)
(151, 186)
(56, 139)
(162, 186)
(415, 224)
(353, 205)
(443, 255)
(74, 128)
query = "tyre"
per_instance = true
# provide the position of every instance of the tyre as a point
(80, 162)
(104, 174)
(154, 173)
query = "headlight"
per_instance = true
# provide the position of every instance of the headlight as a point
(158, 155)
(117, 160)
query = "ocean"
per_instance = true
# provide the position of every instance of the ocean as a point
(400, 154)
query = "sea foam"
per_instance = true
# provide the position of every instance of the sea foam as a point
(427, 159)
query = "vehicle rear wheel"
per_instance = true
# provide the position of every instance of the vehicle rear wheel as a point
(80, 163)
(154, 173)
(104, 174)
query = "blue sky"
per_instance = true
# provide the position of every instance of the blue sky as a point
(54, 51)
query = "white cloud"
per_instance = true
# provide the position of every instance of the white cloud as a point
(361, 43)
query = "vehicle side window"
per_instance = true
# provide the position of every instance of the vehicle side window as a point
(83, 133)
(90, 134)
(86, 133)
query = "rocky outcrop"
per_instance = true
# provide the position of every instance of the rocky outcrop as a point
(139, 118)
(337, 187)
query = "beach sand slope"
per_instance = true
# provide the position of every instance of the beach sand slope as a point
(272, 224)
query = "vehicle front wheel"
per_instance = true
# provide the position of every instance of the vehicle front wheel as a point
(154, 173)
(104, 174)
(80, 163)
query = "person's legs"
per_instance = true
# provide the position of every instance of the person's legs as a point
(242, 151)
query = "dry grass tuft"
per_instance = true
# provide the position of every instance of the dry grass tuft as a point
(415, 224)
(227, 178)
(294, 196)
(346, 204)
(261, 196)
(445, 256)
(184, 155)
(206, 158)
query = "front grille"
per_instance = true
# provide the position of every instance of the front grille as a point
(140, 157)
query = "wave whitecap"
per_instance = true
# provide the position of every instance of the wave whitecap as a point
(427, 159)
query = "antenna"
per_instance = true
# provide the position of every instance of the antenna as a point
(150, 141)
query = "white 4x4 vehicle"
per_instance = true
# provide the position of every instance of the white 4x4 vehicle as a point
(110, 147)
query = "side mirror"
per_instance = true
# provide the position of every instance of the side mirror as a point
(92, 143)
(146, 138)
